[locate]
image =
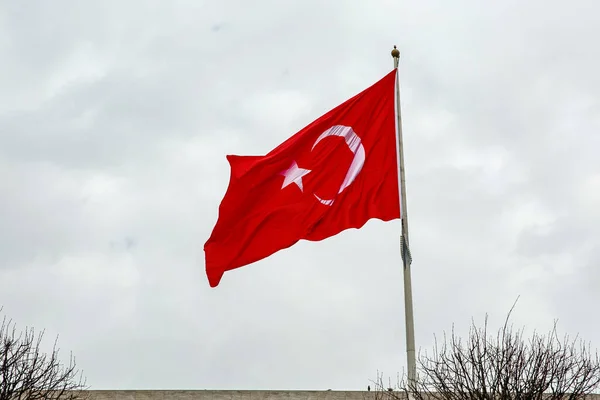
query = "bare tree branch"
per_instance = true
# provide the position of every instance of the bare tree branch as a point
(27, 373)
(505, 366)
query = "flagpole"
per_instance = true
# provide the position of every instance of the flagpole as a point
(406, 259)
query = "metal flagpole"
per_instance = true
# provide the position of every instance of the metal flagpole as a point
(406, 258)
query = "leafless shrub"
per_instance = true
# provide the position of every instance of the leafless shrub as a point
(505, 366)
(27, 373)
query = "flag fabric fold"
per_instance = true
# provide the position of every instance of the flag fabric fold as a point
(335, 174)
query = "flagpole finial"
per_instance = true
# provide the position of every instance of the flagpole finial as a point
(396, 56)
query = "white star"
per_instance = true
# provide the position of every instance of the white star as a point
(294, 175)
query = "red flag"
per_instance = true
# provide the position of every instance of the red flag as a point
(335, 174)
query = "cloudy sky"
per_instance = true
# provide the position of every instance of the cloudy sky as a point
(115, 119)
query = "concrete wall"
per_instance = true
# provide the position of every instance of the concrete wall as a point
(236, 395)
(228, 395)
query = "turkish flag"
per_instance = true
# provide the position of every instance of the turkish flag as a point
(335, 174)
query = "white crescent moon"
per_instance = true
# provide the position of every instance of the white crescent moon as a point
(355, 145)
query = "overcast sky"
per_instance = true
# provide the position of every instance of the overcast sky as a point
(115, 119)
